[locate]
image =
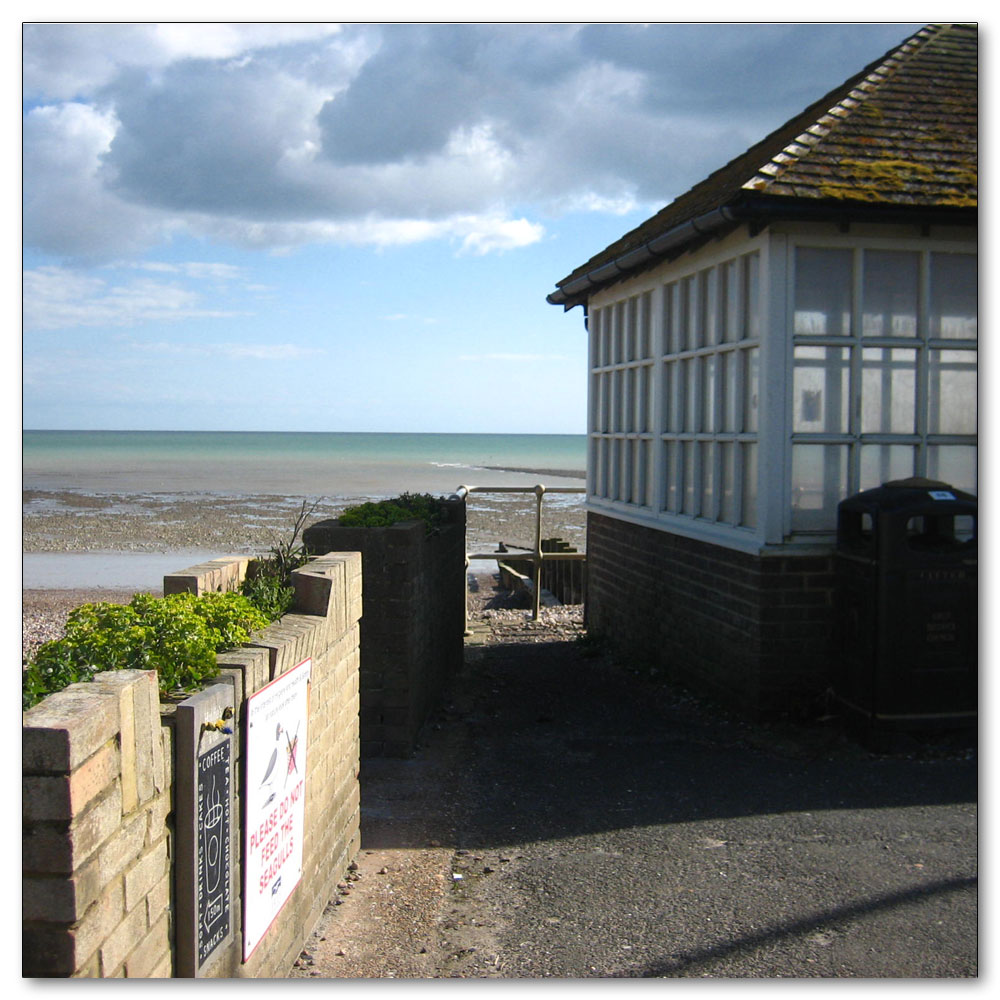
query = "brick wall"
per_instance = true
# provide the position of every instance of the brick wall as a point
(98, 850)
(752, 631)
(413, 622)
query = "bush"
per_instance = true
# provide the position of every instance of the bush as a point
(407, 507)
(177, 636)
(268, 584)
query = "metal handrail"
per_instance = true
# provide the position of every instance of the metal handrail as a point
(536, 556)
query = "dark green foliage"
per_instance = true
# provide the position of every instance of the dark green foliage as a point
(407, 507)
(177, 636)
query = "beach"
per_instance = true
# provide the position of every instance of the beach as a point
(86, 547)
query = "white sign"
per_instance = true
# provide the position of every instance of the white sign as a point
(942, 495)
(277, 720)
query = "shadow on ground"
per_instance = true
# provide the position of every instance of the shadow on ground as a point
(600, 824)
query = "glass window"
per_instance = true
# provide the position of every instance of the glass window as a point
(751, 376)
(730, 361)
(955, 465)
(727, 481)
(708, 306)
(890, 293)
(888, 390)
(881, 463)
(692, 333)
(751, 263)
(690, 496)
(819, 483)
(732, 301)
(646, 325)
(707, 463)
(748, 515)
(673, 402)
(708, 364)
(954, 296)
(952, 392)
(823, 292)
(821, 389)
(671, 472)
(691, 378)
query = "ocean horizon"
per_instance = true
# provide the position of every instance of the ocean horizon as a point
(333, 464)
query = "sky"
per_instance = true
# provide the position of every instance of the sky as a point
(353, 227)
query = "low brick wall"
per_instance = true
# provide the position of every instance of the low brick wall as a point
(98, 852)
(754, 632)
(413, 623)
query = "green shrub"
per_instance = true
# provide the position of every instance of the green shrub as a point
(268, 583)
(407, 507)
(177, 636)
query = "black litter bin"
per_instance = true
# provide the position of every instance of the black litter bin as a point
(907, 618)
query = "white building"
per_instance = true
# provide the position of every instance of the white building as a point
(799, 326)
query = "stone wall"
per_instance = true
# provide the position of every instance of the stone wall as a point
(413, 622)
(99, 852)
(752, 631)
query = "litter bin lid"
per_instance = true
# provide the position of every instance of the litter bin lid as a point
(903, 494)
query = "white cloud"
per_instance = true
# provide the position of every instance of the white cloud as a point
(276, 135)
(57, 298)
(255, 352)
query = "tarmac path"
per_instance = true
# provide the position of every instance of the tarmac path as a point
(569, 817)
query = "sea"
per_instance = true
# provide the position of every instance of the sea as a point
(209, 466)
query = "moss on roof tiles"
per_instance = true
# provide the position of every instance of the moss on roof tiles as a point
(901, 132)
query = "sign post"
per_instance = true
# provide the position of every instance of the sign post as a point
(203, 808)
(274, 797)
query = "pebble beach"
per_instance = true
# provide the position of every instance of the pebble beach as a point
(105, 526)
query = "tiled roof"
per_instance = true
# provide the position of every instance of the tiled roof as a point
(900, 135)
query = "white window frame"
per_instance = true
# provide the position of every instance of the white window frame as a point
(775, 346)
(854, 438)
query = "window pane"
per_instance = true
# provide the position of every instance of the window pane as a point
(691, 335)
(730, 390)
(692, 398)
(888, 390)
(673, 403)
(751, 326)
(672, 319)
(819, 483)
(671, 473)
(727, 481)
(890, 295)
(823, 298)
(643, 398)
(954, 296)
(690, 496)
(601, 476)
(707, 310)
(618, 353)
(708, 364)
(881, 463)
(707, 479)
(951, 396)
(751, 386)
(820, 389)
(631, 327)
(733, 298)
(645, 325)
(954, 464)
(748, 516)
(640, 473)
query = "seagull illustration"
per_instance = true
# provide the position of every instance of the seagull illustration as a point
(274, 757)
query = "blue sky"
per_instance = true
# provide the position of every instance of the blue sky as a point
(305, 226)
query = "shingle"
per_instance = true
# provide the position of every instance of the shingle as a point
(902, 132)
